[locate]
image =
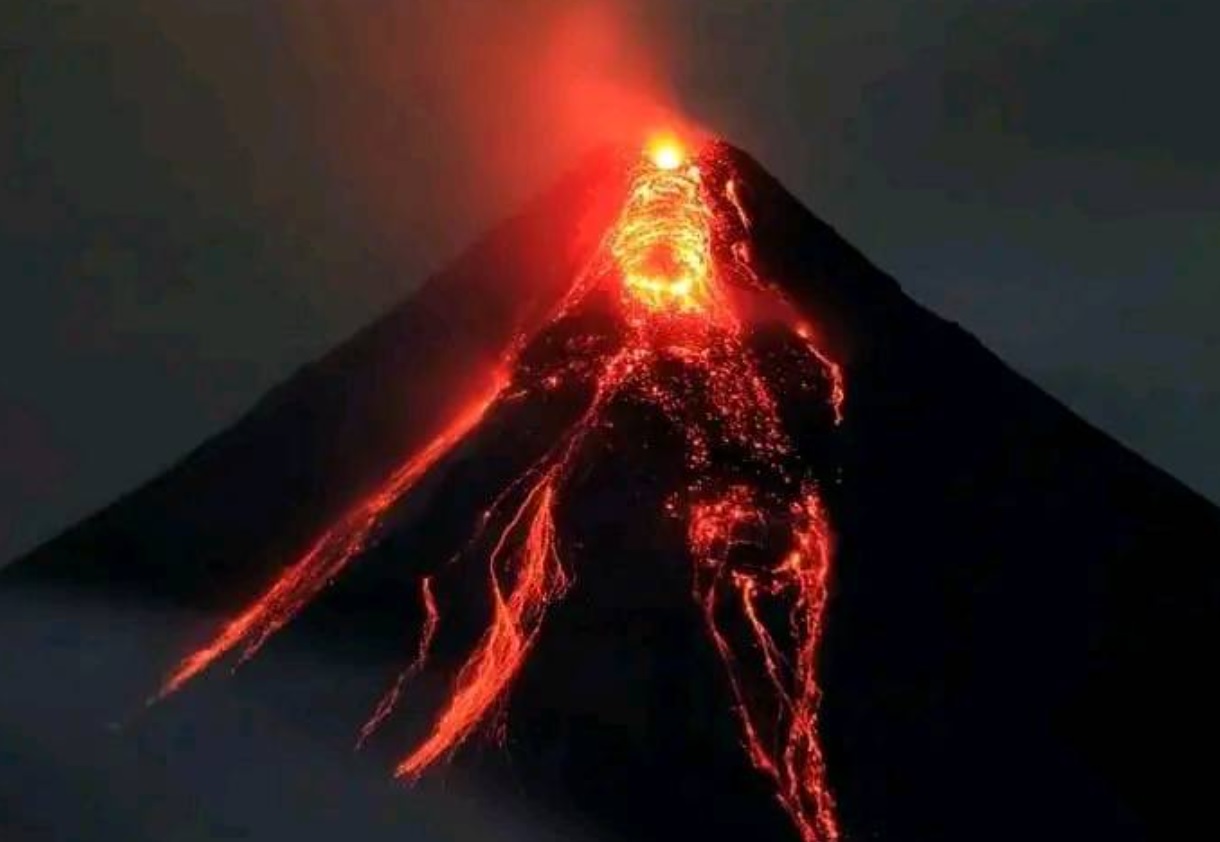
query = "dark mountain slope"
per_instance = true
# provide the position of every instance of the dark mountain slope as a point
(1022, 612)
(251, 498)
(1023, 629)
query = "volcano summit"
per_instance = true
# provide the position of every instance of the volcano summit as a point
(711, 530)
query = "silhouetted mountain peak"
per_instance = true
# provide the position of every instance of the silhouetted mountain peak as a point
(670, 488)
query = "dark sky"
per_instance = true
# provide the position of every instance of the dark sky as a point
(199, 197)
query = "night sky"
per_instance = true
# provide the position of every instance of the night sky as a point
(199, 197)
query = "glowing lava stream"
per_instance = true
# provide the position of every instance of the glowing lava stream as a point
(781, 730)
(682, 350)
(385, 707)
(301, 582)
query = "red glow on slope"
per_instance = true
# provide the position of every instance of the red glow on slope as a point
(517, 86)
(326, 559)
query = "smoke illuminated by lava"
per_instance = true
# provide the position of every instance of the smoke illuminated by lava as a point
(757, 527)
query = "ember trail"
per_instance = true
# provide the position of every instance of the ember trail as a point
(757, 529)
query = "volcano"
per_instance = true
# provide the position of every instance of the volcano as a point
(664, 510)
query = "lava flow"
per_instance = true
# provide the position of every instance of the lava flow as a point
(756, 525)
(781, 727)
(327, 558)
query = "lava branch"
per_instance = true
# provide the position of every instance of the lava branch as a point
(838, 391)
(779, 716)
(742, 255)
(302, 581)
(387, 703)
(538, 579)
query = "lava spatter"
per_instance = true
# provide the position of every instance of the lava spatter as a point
(758, 532)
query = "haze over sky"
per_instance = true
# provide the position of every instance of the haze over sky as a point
(196, 198)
